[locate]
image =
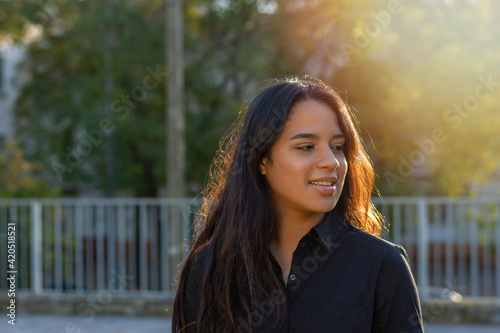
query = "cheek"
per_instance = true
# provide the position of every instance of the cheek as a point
(343, 169)
(346, 167)
(287, 172)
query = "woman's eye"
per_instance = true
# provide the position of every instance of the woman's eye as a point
(308, 147)
(338, 148)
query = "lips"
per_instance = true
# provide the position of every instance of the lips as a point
(324, 181)
(325, 185)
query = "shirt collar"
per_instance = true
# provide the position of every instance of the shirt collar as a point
(330, 228)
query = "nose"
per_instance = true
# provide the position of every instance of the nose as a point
(327, 159)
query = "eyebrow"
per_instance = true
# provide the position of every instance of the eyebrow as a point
(314, 136)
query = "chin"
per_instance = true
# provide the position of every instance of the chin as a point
(327, 207)
(324, 209)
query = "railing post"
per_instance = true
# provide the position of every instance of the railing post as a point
(36, 247)
(423, 243)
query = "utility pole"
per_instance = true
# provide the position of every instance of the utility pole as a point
(108, 90)
(175, 100)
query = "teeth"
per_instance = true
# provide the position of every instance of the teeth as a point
(322, 183)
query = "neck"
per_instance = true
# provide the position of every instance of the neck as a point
(291, 230)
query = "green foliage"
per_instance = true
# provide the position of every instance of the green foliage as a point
(402, 68)
(71, 65)
(20, 178)
(421, 76)
(87, 77)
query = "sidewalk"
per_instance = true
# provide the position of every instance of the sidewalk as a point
(42, 323)
(36, 323)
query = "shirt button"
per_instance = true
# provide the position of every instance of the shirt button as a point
(292, 277)
(302, 244)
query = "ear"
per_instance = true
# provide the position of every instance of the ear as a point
(262, 166)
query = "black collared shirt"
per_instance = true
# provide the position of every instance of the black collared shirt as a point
(341, 280)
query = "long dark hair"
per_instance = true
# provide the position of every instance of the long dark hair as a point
(237, 221)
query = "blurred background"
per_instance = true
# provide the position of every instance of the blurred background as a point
(86, 108)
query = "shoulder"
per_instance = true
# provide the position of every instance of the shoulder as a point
(395, 295)
(198, 266)
(375, 246)
(390, 261)
(192, 274)
(192, 287)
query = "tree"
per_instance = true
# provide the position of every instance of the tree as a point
(21, 178)
(402, 67)
(415, 91)
(67, 94)
(66, 90)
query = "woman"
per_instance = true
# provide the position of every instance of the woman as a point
(288, 239)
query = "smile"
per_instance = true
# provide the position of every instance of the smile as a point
(322, 183)
(325, 188)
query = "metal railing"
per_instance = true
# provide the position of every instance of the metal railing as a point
(453, 243)
(86, 245)
(136, 245)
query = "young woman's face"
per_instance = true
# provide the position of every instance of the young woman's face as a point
(307, 165)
